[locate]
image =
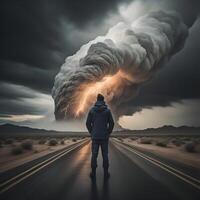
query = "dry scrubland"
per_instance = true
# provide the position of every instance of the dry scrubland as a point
(14, 152)
(182, 149)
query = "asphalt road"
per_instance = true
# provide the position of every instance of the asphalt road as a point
(132, 177)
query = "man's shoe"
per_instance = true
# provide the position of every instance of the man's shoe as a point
(93, 174)
(106, 174)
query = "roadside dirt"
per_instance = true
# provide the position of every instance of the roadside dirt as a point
(9, 161)
(171, 152)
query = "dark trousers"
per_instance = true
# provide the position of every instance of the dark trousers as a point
(104, 150)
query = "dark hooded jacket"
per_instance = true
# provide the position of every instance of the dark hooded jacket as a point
(100, 121)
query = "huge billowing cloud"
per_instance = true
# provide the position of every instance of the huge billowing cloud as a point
(117, 64)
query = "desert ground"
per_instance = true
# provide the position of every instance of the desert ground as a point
(166, 166)
(183, 149)
(15, 152)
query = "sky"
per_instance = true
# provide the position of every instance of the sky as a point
(37, 36)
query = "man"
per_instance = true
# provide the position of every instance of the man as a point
(100, 125)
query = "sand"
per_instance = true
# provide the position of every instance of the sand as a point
(9, 161)
(171, 152)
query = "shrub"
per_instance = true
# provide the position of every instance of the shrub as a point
(177, 142)
(42, 141)
(53, 142)
(133, 138)
(185, 139)
(74, 140)
(196, 140)
(17, 150)
(28, 145)
(62, 142)
(9, 141)
(190, 147)
(161, 143)
(145, 141)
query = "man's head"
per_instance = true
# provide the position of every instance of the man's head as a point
(100, 97)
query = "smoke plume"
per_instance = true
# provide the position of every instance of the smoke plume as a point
(117, 64)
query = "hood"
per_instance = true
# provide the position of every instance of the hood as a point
(100, 106)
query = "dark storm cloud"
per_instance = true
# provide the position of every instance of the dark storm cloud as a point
(143, 47)
(22, 74)
(17, 107)
(31, 33)
(10, 91)
(17, 99)
(179, 79)
(34, 45)
(28, 33)
(30, 50)
(81, 13)
(189, 9)
(146, 101)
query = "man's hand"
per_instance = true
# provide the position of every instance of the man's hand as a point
(89, 122)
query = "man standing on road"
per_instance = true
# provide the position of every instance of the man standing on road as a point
(100, 125)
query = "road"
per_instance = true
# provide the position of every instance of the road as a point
(66, 177)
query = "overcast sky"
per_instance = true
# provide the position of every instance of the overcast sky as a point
(37, 36)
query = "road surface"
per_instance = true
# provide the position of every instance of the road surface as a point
(66, 177)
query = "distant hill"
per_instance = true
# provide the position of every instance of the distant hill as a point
(10, 130)
(164, 130)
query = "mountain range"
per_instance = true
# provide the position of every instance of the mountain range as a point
(11, 130)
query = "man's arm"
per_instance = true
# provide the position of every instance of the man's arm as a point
(110, 123)
(89, 122)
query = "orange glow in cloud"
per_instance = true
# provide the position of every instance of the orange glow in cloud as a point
(109, 86)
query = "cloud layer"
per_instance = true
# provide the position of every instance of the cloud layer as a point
(36, 37)
(118, 63)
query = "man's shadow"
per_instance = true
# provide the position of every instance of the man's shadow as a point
(103, 194)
